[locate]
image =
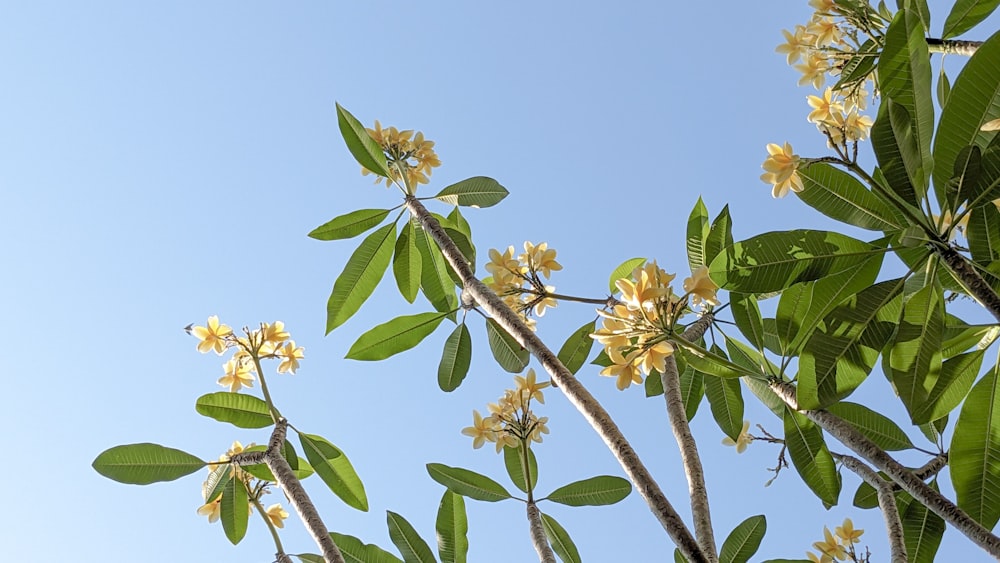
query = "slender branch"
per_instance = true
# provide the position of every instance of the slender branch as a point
(886, 501)
(282, 558)
(574, 391)
(953, 46)
(270, 525)
(861, 445)
(978, 287)
(538, 539)
(606, 302)
(289, 483)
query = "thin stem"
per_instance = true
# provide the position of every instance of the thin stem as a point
(953, 46)
(574, 391)
(607, 301)
(275, 415)
(526, 467)
(270, 525)
(538, 539)
(886, 501)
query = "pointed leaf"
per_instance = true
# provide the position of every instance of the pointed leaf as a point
(698, 228)
(478, 191)
(395, 336)
(710, 363)
(743, 542)
(746, 315)
(596, 491)
(364, 149)
(515, 467)
(965, 14)
(576, 349)
(692, 390)
(720, 236)
(406, 263)
(452, 526)
(350, 225)
(335, 470)
(914, 360)
(876, 427)
(811, 457)
(892, 172)
(843, 197)
(624, 270)
(234, 510)
(560, 541)
(362, 273)
(726, 399)
(951, 388)
(356, 551)
(943, 88)
(467, 483)
(984, 234)
(243, 411)
(435, 282)
(406, 539)
(455, 359)
(974, 457)
(145, 463)
(922, 532)
(507, 352)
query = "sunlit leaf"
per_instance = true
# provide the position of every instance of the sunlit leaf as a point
(743, 542)
(922, 532)
(395, 336)
(234, 510)
(349, 225)
(406, 263)
(974, 456)
(364, 149)
(452, 527)
(560, 541)
(515, 467)
(362, 273)
(356, 551)
(507, 352)
(238, 409)
(335, 470)
(726, 400)
(811, 458)
(576, 349)
(624, 270)
(843, 197)
(142, 464)
(697, 233)
(876, 427)
(455, 358)
(965, 14)
(467, 483)
(914, 360)
(411, 546)
(596, 491)
(478, 191)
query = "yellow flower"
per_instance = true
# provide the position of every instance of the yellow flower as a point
(826, 31)
(211, 509)
(823, 107)
(847, 533)
(276, 515)
(546, 302)
(742, 441)
(481, 431)
(538, 427)
(213, 336)
(528, 383)
(651, 285)
(856, 126)
(701, 287)
(405, 153)
(822, 558)
(238, 374)
(625, 374)
(947, 222)
(653, 357)
(824, 6)
(830, 546)
(796, 45)
(781, 170)
(290, 356)
(506, 440)
(504, 267)
(275, 333)
(541, 258)
(812, 70)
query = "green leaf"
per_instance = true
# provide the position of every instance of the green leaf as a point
(892, 173)
(455, 358)
(459, 222)
(560, 541)
(142, 464)
(843, 197)
(515, 468)
(576, 349)
(624, 270)
(922, 531)
(406, 263)
(951, 387)
(974, 456)
(409, 543)
(811, 457)
(974, 100)
(365, 150)
(335, 470)
(698, 228)
(914, 361)
(726, 399)
(751, 359)
(300, 468)
(743, 542)
(719, 236)
(243, 411)
(435, 282)
(710, 363)
(965, 15)
(793, 306)
(350, 225)
(507, 352)
(216, 482)
(943, 88)
(746, 315)
(467, 483)
(692, 390)
(596, 491)
(313, 558)
(452, 527)
(858, 66)
(478, 191)
(356, 551)
(395, 336)
(777, 260)
(234, 510)
(362, 273)
(876, 427)
(984, 234)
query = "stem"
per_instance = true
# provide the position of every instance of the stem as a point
(607, 301)
(977, 287)
(270, 526)
(574, 391)
(526, 467)
(275, 415)
(886, 501)
(953, 46)
(541, 544)
(861, 445)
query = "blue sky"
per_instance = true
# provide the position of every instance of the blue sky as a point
(163, 162)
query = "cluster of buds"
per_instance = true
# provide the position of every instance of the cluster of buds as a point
(839, 546)
(410, 156)
(511, 421)
(518, 280)
(635, 332)
(212, 507)
(270, 341)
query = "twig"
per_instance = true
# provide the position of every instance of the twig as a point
(886, 501)
(953, 46)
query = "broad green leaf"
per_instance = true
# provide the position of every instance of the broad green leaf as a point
(455, 358)
(922, 531)
(743, 542)
(843, 197)
(965, 14)
(914, 360)
(726, 400)
(507, 352)
(335, 470)
(943, 88)
(356, 551)
(692, 390)
(142, 464)
(560, 541)
(515, 467)
(793, 306)
(974, 100)
(876, 427)
(964, 180)
(858, 66)
(243, 411)
(653, 384)
(777, 260)
(313, 558)
(752, 359)
(406, 263)
(395, 336)
(234, 510)
(362, 273)
(435, 281)
(452, 527)
(459, 222)
(596, 491)
(216, 482)
(974, 456)
(411, 546)
(951, 388)
(746, 315)
(984, 234)
(478, 191)
(710, 363)
(892, 172)
(959, 337)
(467, 483)
(466, 248)
(364, 149)
(932, 430)
(719, 236)
(698, 228)
(576, 349)
(811, 457)
(904, 72)
(291, 456)
(624, 270)
(350, 225)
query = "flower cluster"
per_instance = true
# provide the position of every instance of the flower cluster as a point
(838, 546)
(212, 507)
(511, 420)
(518, 282)
(635, 331)
(270, 341)
(410, 156)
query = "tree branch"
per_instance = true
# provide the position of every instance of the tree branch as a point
(978, 287)
(574, 391)
(538, 538)
(886, 501)
(953, 46)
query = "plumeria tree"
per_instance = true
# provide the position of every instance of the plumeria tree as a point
(794, 319)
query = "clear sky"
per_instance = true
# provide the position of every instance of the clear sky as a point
(163, 162)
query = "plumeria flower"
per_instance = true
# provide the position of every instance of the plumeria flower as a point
(290, 356)
(211, 509)
(742, 441)
(830, 546)
(947, 222)
(781, 170)
(482, 430)
(821, 558)
(212, 336)
(826, 32)
(847, 533)
(701, 287)
(276, 515)
(238, 374)
(856, 127)
(546, 302)
(813, 68)
(406, 154)
(528, 383)
(275, 333)
(541, 258)
(625, 374)
(538, 427)
(823, 107)
(797, 44)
